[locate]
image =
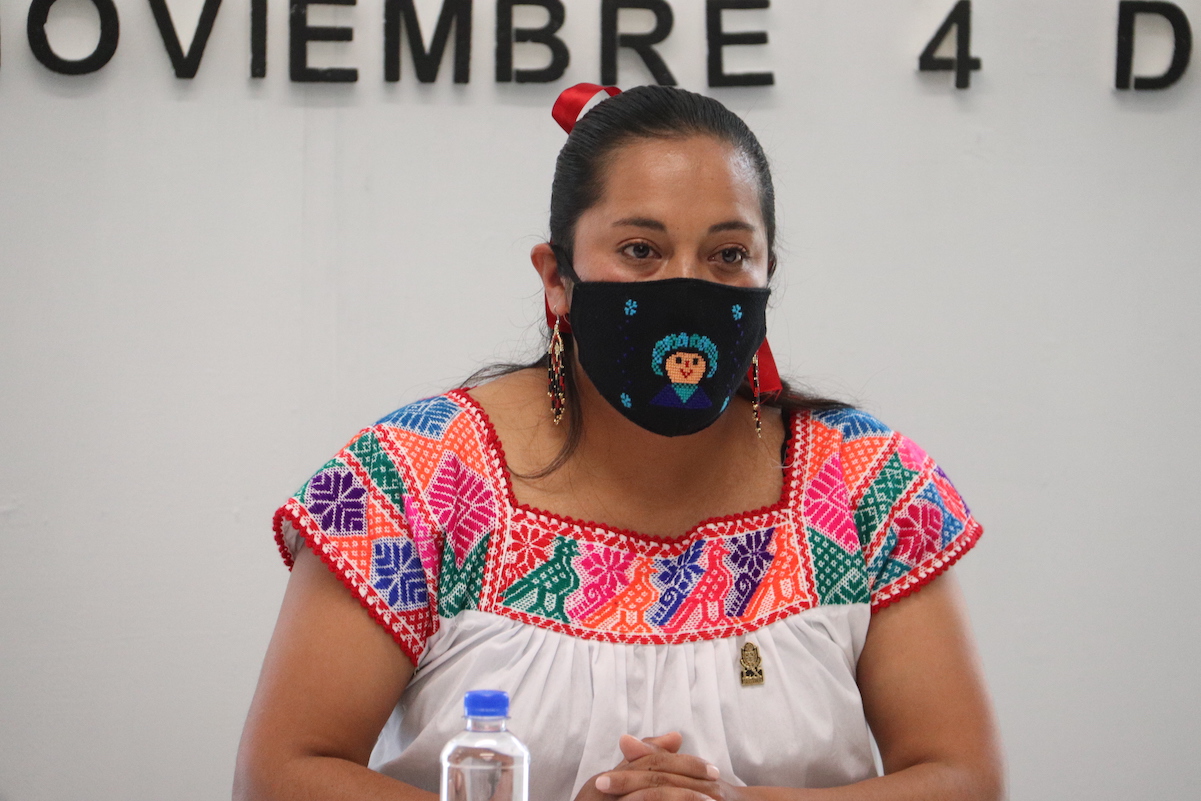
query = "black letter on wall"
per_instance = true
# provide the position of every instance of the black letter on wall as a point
(718, 39)
(258, 38)
(1127, 10)
(301, 33)
(426, 62)
(640, 43)
(185, 64)
(505, 36)
(110, 29)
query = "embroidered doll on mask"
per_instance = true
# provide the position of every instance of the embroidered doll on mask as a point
(684, 360)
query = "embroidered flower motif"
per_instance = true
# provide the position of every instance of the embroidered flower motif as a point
(827, 505)
(462, 504)
(396, 573)
(429, 418)
(676, 576)
(748, 560)
(919, 532)
(737, 310)
(625, 400)
(631, 308)
(604, 572)
(337, 501)
(528, 547)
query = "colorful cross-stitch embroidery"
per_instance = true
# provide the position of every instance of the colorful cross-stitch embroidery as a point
(417, 517)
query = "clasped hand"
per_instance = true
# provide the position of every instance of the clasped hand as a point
(654, 770)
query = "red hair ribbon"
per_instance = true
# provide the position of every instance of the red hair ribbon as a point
(572, 101)
(769, 375)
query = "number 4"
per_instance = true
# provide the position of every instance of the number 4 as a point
(963, 63)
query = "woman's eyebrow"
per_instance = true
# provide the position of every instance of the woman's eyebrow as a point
(731, 225)
(641, 222)
(647, 222)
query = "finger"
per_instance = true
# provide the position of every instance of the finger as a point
(668, 742)
(686, 765)
(651, 784)
(632, 748)
(668, 794)
(683, 764)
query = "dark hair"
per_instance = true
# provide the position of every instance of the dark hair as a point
(644, 112)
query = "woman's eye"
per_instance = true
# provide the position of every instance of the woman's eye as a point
(733, 255)
(639, 250)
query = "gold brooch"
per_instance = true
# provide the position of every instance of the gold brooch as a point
(752, 665)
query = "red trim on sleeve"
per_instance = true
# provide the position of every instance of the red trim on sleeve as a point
(930, 569)
(411, 642)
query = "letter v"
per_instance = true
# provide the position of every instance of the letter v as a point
(185, 65)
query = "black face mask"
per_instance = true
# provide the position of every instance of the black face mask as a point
(668, 354)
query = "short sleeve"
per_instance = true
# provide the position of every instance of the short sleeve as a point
(351, 514)
(911, 521)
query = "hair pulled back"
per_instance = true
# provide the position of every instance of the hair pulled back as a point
(644, 112)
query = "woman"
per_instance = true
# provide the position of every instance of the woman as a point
(679, 646)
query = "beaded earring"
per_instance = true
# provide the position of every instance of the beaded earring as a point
(755, 400)
(768, 383)
(556, 384)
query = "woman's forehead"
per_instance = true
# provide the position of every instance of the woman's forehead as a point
(668, 177)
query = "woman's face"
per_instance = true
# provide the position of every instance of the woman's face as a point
(675, 208)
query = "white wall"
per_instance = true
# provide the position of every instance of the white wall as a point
(207, 286)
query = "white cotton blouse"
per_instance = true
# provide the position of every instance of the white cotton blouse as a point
(596, 632)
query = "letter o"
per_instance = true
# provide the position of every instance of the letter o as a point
(110, 28)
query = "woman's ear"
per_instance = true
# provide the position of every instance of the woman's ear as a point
(558, 291)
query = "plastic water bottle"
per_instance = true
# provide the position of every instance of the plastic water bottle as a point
(485, 762)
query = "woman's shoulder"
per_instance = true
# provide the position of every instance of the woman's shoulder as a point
(428, 417)
(880, 498)
(429, 441)
(851, 423)
(871, 454)
(442, 434)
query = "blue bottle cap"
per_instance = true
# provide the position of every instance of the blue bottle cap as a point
(486, 704)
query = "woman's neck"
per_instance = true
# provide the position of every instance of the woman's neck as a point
(624, 476)
(614, 447)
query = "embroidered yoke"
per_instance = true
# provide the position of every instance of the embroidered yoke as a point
(597, 632)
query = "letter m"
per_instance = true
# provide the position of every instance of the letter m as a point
(398, 13)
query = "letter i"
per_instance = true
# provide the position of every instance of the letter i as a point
(258, 38)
